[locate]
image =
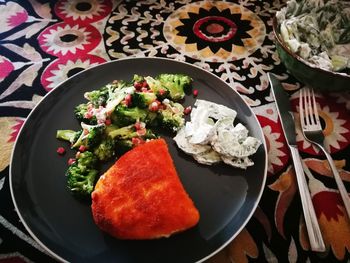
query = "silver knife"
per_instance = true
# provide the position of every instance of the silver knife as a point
(288, 125)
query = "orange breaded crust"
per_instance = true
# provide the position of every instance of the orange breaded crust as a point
(141, 196)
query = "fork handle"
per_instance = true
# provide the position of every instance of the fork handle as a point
(312, 226)
(341, 187)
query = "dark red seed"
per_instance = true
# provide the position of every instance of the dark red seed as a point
(161, 92)
(61, 150)
(71, 161)
(108, 122)
(137, 141)
(195, 92)
(82, 148)
(138, 85)
(187, 110)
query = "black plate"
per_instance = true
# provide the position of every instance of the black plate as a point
(225, 197)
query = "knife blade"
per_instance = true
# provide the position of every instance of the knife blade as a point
(288, 126)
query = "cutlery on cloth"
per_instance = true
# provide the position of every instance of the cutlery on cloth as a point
(288, 126)
(312, 130)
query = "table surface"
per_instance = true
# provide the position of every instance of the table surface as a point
(42, 43)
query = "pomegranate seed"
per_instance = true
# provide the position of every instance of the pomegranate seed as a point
(71, 161)
(61, 150)
(138, 85)
(137, 125)
(128, 100)
(108, 122)
(128, 97)
(154, 106)
(141, 132)
(144, 89)
(162, 106)
(137, 141)
(88, 115)
(187, 110)
(144, 84)
(161, 92)
(195, 92)
(82, 148)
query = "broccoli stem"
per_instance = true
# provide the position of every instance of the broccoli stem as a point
(66, 135)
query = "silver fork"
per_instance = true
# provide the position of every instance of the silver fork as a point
(312, 130)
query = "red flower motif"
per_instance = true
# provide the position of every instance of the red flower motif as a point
(69, 39)
(63, 68)
(328, 203)
(83, 11)
(16, 128)
(17, 19)
(12, 15)
(6, 67)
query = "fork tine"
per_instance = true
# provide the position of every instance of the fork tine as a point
(317, 117)
(309, 107)
(301, 108)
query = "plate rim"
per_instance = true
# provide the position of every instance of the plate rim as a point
(47, 250)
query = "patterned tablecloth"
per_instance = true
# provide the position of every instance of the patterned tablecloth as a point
(43, 43)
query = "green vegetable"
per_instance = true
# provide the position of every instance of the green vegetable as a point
(172, 117)
(318, 31)
(143, 99)
(123, 116)
(80, 113)
(157, 87)
(82, 175)
(105, 150)
(90, 136)
(68, 135)
(98, 97)
(116, 118)
(138, 79)
(123, 146)
(129, 132)
(176, 84)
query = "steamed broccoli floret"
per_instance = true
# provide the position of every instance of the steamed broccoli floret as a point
(176, 84)
(80, 113)
(125, 132)
(143, 99)
(82, 175)
(105, 150)
(123, 146)
(90, 136)
(157, 88)
(123, 116)
(118, 84)
(98, 97)
(129, 132)
(138, 79)
(68, 135)
(172, 117)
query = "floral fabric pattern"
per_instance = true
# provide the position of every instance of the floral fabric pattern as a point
(43, 43)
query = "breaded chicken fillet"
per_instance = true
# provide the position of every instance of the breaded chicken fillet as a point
(141, 196)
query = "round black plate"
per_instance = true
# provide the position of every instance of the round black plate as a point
(225, 197)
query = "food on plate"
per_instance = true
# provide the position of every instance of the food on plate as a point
(141, 196)
(82, 174)
(119, 116)
(318, 31)
(212, 137)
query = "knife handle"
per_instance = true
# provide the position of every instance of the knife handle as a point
(312, 226)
